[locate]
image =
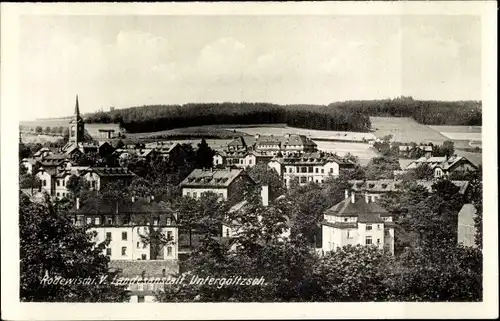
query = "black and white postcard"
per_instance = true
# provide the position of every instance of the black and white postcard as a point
(249, 160)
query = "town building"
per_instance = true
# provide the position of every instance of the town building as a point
(310, 167)
(270, 144)
(146, 277)
(126, 224)
(97, 177)
(241, 159)
(357, 221)
(466, 234)
(227, 183)
(375, 189)
(444, 166)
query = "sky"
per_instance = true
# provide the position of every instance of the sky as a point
(126, 61)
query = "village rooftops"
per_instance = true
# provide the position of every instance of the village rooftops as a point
(129, 206)
(389, 185)
(314, 158)
(212, 177)
(112, 171)
(441, 162)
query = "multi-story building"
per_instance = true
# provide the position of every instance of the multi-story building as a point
(126, 226)
(374, 189)
(311, 167)
(443, 166)
(241, 159)
(99, 176)
(357, 221)
(227, 183)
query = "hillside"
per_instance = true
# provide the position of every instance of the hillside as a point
(342, 116)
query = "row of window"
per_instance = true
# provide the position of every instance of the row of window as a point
(308, 169)
(195, 194)
(143, 256)
(125, 236)
(109, 220)
(58, 182)
(63, 194)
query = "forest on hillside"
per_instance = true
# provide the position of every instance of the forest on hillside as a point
(341, 116)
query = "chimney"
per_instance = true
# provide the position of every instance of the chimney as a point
(346, 194)
(353, 197)
(133, 199)
(367, 199)
(152, 197)
(264, 193)
(77, 203)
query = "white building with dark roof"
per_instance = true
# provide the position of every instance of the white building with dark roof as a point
(99, 176)
(309, 167)
(357, 221)
(443, 166)
(226, 183)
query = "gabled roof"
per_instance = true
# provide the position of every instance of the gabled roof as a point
(360, 206)
(388, 185)
(214, 177)
(150, 268)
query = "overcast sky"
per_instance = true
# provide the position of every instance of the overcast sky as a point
(126, 61)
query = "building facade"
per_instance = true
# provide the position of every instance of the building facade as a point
(357, 221)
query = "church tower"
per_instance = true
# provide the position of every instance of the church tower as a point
(76, 126)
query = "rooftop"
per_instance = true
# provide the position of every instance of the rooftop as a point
(213, 177)
(112, 171)
(360, 206)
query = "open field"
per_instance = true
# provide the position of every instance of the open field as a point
(312, 133)
(364, 151)
(92, 129)
(405, 129)
(456, 129)
(199, 131)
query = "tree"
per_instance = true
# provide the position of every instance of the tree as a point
(353, 274)
(39, 129)
(424, 171)
(187, 218)
(441, 273)
(264, 175)
(156, 238)
(76, 184)
(382, 167)
(52, 247)
(47, 130)
(204, 155)
(119, 144)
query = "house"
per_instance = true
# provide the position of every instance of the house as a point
(28, 164)
(123, 223)
(60, 181)
(99, 176)
(466, 234)
(227, 183)
(272, 145)
(374, 189)
(169, 151)
(241, 159)
(230, 228)
(309, 167)
(42, 153)
(144, 278)
(357, 221)
(443, 166)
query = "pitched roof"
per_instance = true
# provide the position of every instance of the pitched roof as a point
(387, 185)
(360, 206)
(213, 177)
(150, 268)
(314, 158)
(112, 171)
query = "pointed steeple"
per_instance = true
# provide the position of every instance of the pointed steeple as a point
(77, 108)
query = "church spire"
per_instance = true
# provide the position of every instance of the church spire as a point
(77, 108)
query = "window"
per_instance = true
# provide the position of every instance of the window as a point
(89, 220)
(303, 179)
(345, 219)
(44, 182)
(368, 240)
(194, 194)
(349, 234)
(58, 183)
(108, 236)
(378, 227)
(303, 170)
(227, 233)
(188, 193)
(169, 221)
(368, 227)
(169, 251)
(163, 272)
(387, 234)
(93, 184)
(155, 221)
(124, 250)
(57, 194)
(138, 245)
(316, 170)
(64, 183)
(124, 236)
(322, 171)
(97, 221)
(73, 221)
(144, 257)
(108, 251)
(310, 169)
(249, 162)
(378, 241)
(169, 235)
(126, 220)
(110, 220)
